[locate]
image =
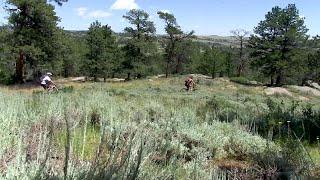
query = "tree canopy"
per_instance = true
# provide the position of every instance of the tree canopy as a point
(279, 50)
(141, 44)
(174, 36)
(34, 36)
(101, 44)
(276, 40)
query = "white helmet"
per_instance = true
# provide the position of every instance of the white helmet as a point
(49, 73)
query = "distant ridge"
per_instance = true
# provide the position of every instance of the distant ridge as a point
(214, 40)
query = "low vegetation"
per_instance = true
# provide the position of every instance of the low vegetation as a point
(149, 129)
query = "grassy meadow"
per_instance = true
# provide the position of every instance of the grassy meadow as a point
(153, 129)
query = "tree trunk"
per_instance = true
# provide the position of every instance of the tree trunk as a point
(271, 80)
(20, 68)
(214, 70)
(167, 69)
(279, 80)
(213, 74)
(239, 71)
(178, 65)
(128, 77)
(65, 74)
(95, 76)
(240, 68)
(304, 81)
(170, 55)
(241, 63)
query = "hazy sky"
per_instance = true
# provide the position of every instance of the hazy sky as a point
(206, 17)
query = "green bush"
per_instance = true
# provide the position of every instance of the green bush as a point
(6, 78)
(290, 158)
(294, 119)
(244, 81)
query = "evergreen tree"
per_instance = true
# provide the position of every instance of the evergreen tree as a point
(141, 45)
(59, 2)
(240, 35)
(275, 41)
(6, 57)
(308, 64)
(34, 25)
(229, 63)
(188, 56)
(174, 36)
(102, 45)
(72, 52)
(213, 62)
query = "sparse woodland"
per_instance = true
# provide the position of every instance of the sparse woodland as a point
(249, 117)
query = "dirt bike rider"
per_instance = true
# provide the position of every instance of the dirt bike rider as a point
(46, 80)
(189, 83)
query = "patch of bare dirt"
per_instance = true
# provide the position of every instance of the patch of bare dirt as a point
(315, 85)
(302, 98)
(306, 90)
(222, 80)
(201, 76)
(116, 80)
(277, 91)
(231, 87)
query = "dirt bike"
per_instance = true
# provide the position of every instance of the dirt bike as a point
(190, 88)
(52, 88)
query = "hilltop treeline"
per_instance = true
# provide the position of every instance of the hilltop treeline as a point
(278, 52)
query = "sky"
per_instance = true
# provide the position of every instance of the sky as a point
(205, 17)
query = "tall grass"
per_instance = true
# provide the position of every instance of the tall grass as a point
(133, 130)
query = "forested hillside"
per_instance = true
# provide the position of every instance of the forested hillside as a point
(278, 51)
(150, 103)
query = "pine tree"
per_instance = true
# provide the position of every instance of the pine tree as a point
(174, 36)
(102, 46)
(213, 62)
(141, 45)
(240, 35)
(6, 58)
(34, 24)
(275, 41)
